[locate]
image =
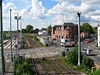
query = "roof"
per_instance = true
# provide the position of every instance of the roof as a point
(70, 24)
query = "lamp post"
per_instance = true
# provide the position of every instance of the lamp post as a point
(11, 34)
(79, 43)
(17, 18)
(1, 39)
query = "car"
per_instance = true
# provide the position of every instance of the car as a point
(88, 40)
(62, 44)
(87, 51)
(73, 43)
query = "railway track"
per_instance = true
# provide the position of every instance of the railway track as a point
(31, 43)
(53, 68)
(7, 46)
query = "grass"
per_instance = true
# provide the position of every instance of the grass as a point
(73, 67)
(34, 37)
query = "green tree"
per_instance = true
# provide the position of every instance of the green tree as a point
(29, 28)
(49, 30)
(87, 62)
(44, 29)
(73, 56)
(24, 31)
(86, 27)
(25, 69)
(95, 31)
(4, 35)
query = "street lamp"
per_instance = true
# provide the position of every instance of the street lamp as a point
(79, 43)
(1, 39)
(11, 34)
(17, 18)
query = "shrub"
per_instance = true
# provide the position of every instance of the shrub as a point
(87, 62)
(97, 72)
(73, 56)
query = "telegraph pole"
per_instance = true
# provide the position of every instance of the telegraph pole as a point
(11, 34)
(1, 39)
(79, 43)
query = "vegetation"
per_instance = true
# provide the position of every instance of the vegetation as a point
(97, 72)
(34, 37)
(95, 31)
(23, 66)
(6, 35)
(24, 31)
(86, 27)
(49, 29)
(29, 28)
(72, 58)
(44, 29)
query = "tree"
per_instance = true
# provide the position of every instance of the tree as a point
(95, 31)
(23, 30)
(87, 62)
(86, 27)
(49, 28)
(25, 69)
(73, 56)
(44, 29)
(29, 28)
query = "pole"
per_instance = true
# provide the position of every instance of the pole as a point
(17, 23)
(21, 32)
(79, 43)
(11, 34)
(1, 40)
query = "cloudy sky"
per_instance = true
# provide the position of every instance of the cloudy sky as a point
(42, 13)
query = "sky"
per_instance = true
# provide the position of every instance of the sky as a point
(42, 13)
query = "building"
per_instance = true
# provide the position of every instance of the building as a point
(43, 32)
(66, 31)
(44, 40)
(99, 36)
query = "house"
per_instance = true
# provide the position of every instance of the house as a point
(85, 35)
(98, 36)
(44, 40)
(65, 31)
(43, 32)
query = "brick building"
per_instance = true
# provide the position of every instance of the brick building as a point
(66, 31)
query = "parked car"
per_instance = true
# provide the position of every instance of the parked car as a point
(87, 51)
(88, 40)
(74, 43)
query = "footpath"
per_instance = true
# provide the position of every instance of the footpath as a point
(9, 68)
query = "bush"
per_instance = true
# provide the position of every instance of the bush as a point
(73, 56)
(97, 72)
(23, 66)
(87, 62)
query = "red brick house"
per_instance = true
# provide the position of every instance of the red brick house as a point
(65, 31)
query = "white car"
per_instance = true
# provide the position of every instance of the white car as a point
(87, 51)
(62, 44)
